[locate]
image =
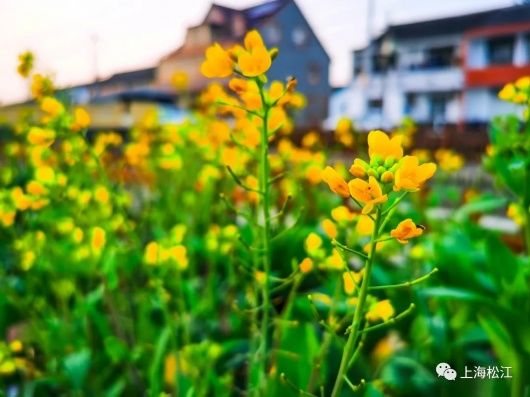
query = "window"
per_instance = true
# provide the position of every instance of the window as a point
(300, 36)
(527, 47)
(500, 50)
(440, 57)
(357, 68)
(383, 63)
(375, 105)
(410, 103)
(272, 33)
(314, 75)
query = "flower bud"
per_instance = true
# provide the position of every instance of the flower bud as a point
(372, 172)
(387, 177)
(357, 171)
(389, 162)
(291, 83)
(381, 169)
(394, 167)
(376, 161)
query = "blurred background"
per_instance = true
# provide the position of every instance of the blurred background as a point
(375, 62)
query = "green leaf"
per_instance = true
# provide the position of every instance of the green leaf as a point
(484, 204)
(76, 366)
(499, 336)
(155, 372)
(115, 348)
(501, 261)
(458, 294)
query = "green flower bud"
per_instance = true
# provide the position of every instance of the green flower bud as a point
(389, 162)
(376, 161)
(387, 177)
(372, 172)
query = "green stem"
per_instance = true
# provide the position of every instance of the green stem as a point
(407, 283)
(359, 311)
(264, 214)
(348, 249)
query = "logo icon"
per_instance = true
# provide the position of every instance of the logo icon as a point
(445, 370)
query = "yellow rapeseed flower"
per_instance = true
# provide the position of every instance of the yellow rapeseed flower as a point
(508, 92)
(218, 62)
(27, 260)
(336, 183)
(329, 228)
(380, 145)
(523, 83)
(7, 217)
(98, 240)
(335, 261)
(254, 59)
(152, 253)
(45, 174)
(411, 175)
(306, 265)
(365, 225)
(180, 80)
(101, 195)
(81, 119)
(36, 188)
(41, 86)
(179, 255)
(21, 201)
(367, 193)
(406, 230)
(51, 106)
(449, 160)
(41, 136)
(25, 63)
(342, 214)
(312, 243)
(350, 281)
(382, 310)
(358, 168)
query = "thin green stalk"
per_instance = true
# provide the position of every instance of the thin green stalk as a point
(357, 318)
(264, 213)
(181, 303)
(407, 283)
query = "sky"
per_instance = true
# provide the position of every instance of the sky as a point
(75, 40)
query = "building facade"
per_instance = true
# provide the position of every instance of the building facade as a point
(439, 72)
(281, 24)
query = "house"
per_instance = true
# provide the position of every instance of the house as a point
(281, 24)
(441, 72)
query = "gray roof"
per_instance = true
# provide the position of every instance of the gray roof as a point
(460, 23)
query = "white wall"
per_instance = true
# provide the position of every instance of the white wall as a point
(481, 104)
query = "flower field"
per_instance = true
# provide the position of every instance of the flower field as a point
(223, 256)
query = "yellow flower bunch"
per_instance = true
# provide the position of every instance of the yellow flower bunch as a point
(449, 160)
(25, 63)
(81, 119)
(41, 86)
(344, 132)
(517, 92)
(252, 60)
(387, 170)
(157, 254)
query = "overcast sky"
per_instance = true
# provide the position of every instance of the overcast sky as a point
(65, 35)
